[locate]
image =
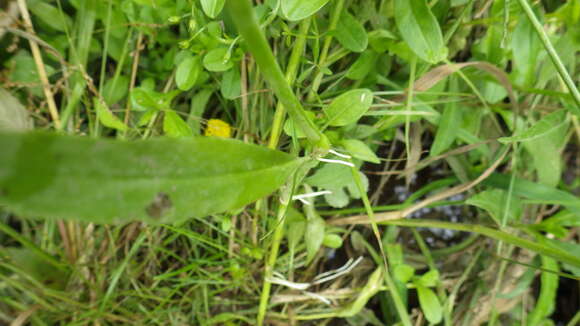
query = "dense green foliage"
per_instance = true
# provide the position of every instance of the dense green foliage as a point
(289, 162)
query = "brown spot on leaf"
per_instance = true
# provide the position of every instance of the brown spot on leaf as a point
(160, 205)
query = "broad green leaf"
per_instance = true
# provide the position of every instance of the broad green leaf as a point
(420, 30)
(494, 202)
(314, 236)
(295, 10)
(549, 123)
(348, 107)
(13, 115)
(217, 60)
(158, 180)
(429, 304)
(187, 72)
(212, 8)
(351, 34)
(174, 126)
(230, 86)
(107, 118)
(360, 150)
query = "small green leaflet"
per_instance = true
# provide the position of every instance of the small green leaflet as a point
(360, 150)
(430, 304)
(546, 125)
(349, 107)
(158, 180)
(420, 30)
(295, 10)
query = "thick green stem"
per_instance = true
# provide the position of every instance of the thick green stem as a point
(291, 71)
(242, 14)
(553, 54)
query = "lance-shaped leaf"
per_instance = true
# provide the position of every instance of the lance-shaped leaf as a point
(158, 180)
(420, 30)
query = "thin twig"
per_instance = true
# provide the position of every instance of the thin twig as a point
(40, 65)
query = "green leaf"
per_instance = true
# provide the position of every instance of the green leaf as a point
(332, 240)
(403, 272)
(29, 262)
(115, 89)
(548, 124)
(296, 227)
(548, 291)
(362, 66)
(526, 47)
(230, 86)
(107, 118)
(217, 60)
(212, 8)
(314, 236)
(420, 30)
(50, 15)
(430, 304)
(449, 123)
(187, 72)
(360, 150)
(547, 154)
(174, 126)
(348, 107)
(429, 279)
(351, 34)
(13, 115)
(494, 202)
(158, 180)
(295, 10)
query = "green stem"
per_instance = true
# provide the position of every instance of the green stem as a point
(325, 48)
(291, 71)
(270, 263)
(494, 234)
(553, 54)
(398, 301)
(242, 14)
